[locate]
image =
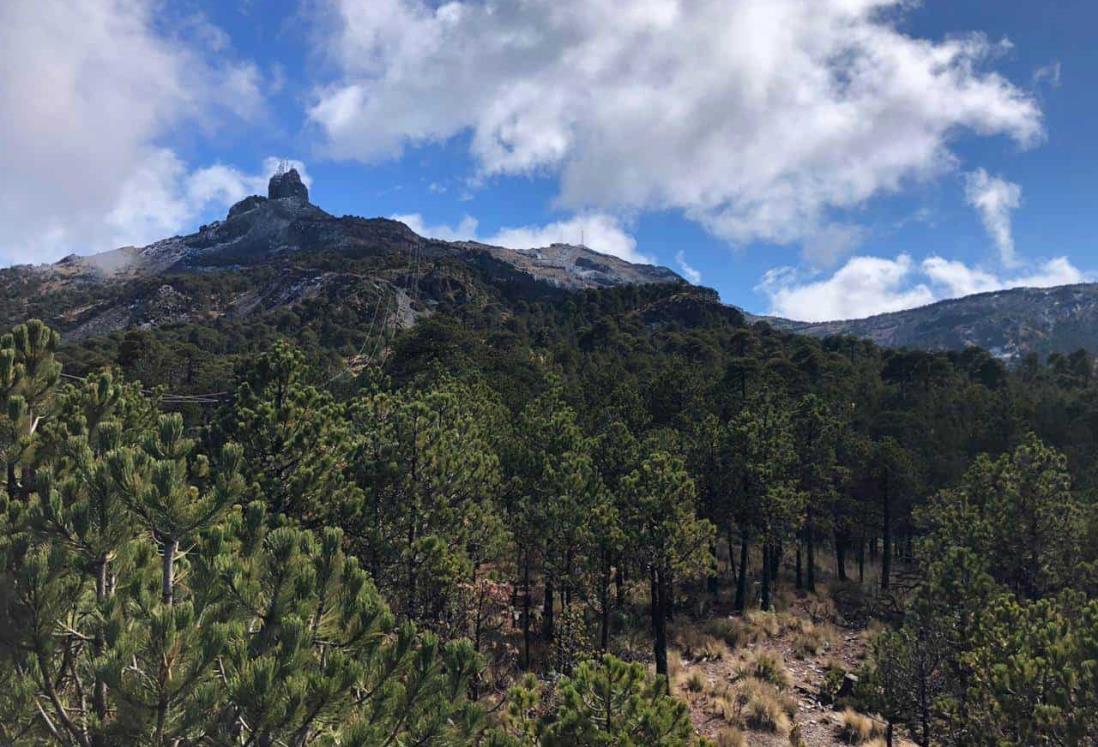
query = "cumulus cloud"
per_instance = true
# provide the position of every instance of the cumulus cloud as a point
(687, 270)
(760, 119)
(865, 286)
(995, 199)
(862, 287)
(88, 91)
(603, 233)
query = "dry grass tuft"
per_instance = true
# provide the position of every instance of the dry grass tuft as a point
(765, 666)
(814, 639)
(765, 711)
(697, 645)
(762, 625)
(730, 736)
(857, 728)
(726, 629)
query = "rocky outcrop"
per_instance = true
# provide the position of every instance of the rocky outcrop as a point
(287, 185)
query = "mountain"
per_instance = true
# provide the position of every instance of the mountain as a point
(282, 261)
(283, 250)
(1009, 323)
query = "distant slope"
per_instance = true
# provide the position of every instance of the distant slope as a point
(1008, 323)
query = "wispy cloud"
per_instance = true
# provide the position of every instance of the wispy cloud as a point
(995, 199)
(688, 272)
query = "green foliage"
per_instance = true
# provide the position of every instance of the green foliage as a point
(178, 578)
(606, 702)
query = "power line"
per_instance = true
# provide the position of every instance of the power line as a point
(211, 398)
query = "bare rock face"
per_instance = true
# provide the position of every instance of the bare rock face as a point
(287, 185)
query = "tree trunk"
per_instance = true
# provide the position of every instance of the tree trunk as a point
(861, 560)
(547, 612)
(659, 625)
(99, 694)
(767, 556)
(731, 553)
(619, 584)
(171, 548)
(886, 540)
(741, 581)
(527, 603)
(712, 581)
(604, 602)
(810, 556)
(667, 596)
(167, 581)
(840, 556)
(800, 572)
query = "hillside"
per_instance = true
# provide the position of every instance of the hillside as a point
(1009, 323)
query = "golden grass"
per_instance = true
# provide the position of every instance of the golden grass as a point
(764, 711)
(698, 645)
(857, 728)
(730, 736)
(765, 666)
(814, 639)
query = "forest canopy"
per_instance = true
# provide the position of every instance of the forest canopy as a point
(511, 531)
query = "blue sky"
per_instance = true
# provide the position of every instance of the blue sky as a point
(812, 158)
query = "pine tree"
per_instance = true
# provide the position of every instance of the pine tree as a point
(771, 503)
(29, 373)
(667, 540)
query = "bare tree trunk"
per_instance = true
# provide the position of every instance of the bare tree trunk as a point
(547, 612)
(767, 556)
(886, 540)
(741, 581)
(526, 605)
(659, 624)
(810, 555)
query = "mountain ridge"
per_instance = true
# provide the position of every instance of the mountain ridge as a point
(1009, 323)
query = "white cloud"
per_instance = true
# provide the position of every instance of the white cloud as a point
(760, 119)
(994, 199)
(865, 286)
(88, 92)
(688, 271)
(597, 231)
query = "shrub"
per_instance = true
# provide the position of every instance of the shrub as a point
(834, 676)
